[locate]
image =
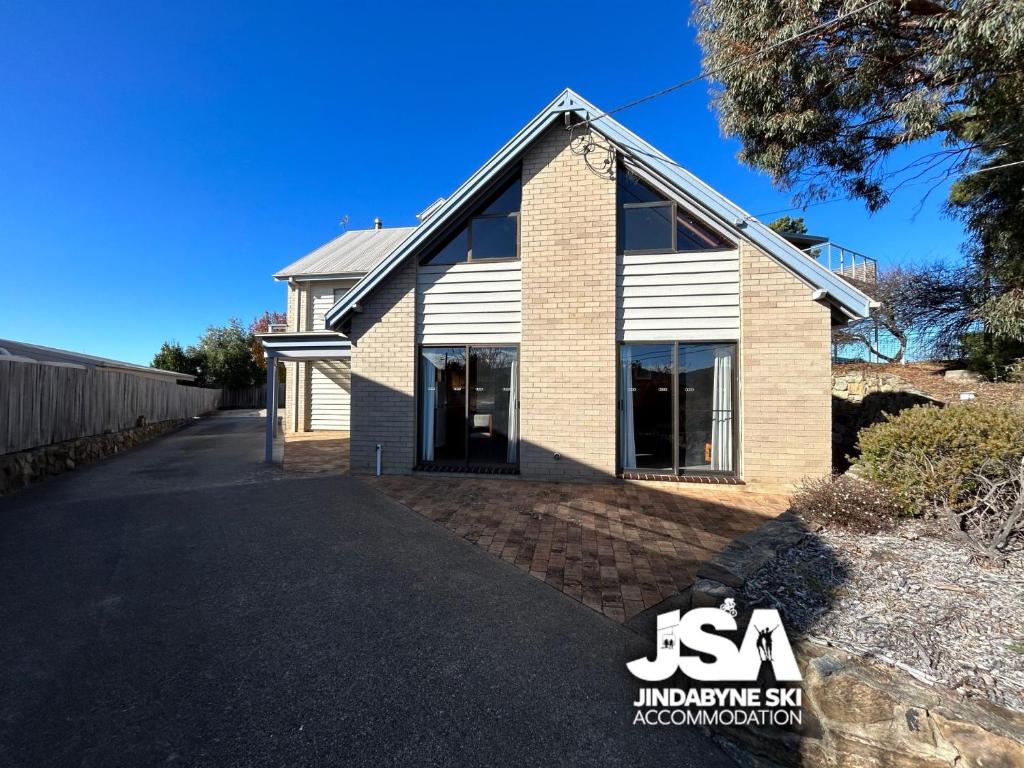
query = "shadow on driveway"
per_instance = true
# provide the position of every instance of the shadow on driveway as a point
(182, 604)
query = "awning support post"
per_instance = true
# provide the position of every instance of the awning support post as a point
(271, 406)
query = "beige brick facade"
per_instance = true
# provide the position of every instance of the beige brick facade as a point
(568, 352)
(785, 374)
(383, 375)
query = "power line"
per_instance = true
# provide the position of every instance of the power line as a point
(994, 168)
(712, 72)
(854, 197)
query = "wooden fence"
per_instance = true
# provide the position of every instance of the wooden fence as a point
(253, 397)
(42, 404)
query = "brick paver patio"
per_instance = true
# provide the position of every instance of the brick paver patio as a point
(322, 451)
(617, 547)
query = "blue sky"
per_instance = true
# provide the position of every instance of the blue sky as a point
(158, 164)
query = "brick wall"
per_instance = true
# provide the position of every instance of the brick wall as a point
(383, 375)
(568, 352)
(786, 403)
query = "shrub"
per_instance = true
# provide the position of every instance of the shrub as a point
(843, 501)
(994, 517)
(990, 355)
(928, 456)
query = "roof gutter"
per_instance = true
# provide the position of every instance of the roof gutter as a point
(313, 277)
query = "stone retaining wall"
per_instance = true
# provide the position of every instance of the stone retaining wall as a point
(23, 468)
(862, 398)
(857, 711)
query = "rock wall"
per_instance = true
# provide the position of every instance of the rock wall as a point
(862, 398)
(858, 712)
(23, 468)
(863, 713)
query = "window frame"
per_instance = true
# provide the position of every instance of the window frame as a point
(419, 393)
(466, 225)
(469, 238)
(677, 470)
(673, 223)
(671, 204)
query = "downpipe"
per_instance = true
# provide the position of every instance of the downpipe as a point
(380, 450)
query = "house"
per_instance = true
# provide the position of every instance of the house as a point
(581, 307)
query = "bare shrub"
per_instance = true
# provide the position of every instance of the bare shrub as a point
(992, 520)
(846, 502)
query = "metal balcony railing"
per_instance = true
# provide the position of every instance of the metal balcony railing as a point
(845, 262)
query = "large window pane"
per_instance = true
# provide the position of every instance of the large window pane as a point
(645, 422)
(632, 190)
(706, 407)
(494, 237)
(493, 425)
(647, 228)
(692, 235)
(454, 251)
(509, 199)
(443, 404)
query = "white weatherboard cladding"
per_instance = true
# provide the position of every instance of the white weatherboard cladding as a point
(469, 303)
(322, 295)
(679, 296)
(329, 390)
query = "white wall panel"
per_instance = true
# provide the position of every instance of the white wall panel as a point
(469, 303)
(679, 296)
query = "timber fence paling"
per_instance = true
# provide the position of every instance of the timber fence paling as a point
(249, 397)
(42, 404)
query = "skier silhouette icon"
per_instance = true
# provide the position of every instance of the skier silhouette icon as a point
(764, 643)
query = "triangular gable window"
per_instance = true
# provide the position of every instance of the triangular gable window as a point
(650, 223)
(491, 232)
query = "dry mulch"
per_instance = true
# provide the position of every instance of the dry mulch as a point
(913, 598)
(928, 377)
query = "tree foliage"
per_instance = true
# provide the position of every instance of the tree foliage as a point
(173, 357)
(225, 356)
(262, 324)
(823, 114)
(796, 225)
(228, 356)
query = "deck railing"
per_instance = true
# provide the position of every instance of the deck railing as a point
(845, 261)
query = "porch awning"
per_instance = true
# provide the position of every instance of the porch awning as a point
(317, 345)
(309, 346)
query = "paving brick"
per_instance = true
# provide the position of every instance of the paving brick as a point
(617, 547)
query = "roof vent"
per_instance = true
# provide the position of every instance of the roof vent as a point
(429, 211)
(378, 224)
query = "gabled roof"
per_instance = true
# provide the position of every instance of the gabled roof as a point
(354, 253)
(683, 183)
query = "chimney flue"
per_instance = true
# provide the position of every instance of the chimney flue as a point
(377, 223)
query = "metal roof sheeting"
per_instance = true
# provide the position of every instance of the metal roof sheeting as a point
(355, 252)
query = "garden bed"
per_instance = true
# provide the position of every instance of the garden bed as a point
(913, 598)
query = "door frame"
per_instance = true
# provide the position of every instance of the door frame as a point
(466, 430)
(676, 469)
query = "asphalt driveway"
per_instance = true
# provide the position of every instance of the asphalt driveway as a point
(184, 605)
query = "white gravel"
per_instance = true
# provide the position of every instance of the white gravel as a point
(910, 598)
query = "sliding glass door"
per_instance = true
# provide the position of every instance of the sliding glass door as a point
(469, 406)
(676, 407)
(443, 404)
(646, 372)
